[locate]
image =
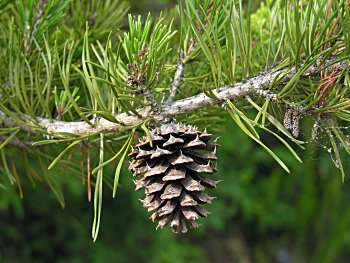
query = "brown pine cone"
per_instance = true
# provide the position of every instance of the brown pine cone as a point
(171, 172)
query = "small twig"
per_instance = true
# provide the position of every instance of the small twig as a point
(28, 40)
(152, 100)
(182, 58)
(177, 78)
(179, 71)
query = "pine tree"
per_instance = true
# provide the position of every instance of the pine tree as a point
(80, 83)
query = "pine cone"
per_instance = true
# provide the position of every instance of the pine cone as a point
(170, 170)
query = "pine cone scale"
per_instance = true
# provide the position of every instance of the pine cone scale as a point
(187, 200)
(174, 174)
(154, 187)
(172, 191)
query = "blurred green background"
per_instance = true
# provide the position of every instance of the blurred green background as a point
(261, 214)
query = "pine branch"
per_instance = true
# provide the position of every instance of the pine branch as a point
(257, 86)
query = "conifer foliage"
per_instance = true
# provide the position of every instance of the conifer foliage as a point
(80, 80)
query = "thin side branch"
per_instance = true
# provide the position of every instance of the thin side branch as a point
(177, 78)
(151, 99)
(28, 39)
(183, 56)
(179, 70)
(255, 86)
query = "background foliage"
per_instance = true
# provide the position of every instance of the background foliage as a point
(261, 213)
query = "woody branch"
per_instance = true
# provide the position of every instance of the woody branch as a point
(255, 86)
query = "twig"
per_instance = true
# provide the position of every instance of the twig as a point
(183, 56)
(28, 39)
(255, 86)
(152, 100)
(177, 78)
